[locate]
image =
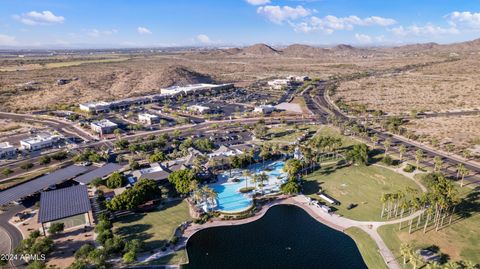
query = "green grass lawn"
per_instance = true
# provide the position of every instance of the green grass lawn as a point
(334, 132)
(360, 185)
(367, 247)
(289, 133)
(179, 257)
(460, 240)
(154, 228)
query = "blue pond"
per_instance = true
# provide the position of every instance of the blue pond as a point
(286, 237)
(231, 200)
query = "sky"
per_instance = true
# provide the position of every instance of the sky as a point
(165, 23)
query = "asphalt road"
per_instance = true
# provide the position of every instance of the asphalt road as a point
(322, 107)
(14, 234)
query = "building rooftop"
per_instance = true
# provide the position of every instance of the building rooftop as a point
(39, 138)
(104, 123)
(96, 104)
(150, 116)
(63, 203)
(99, 172)
(38, 184)
(199, 107)
(5, 145)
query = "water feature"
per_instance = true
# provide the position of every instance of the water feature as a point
(286, 237)
(229, 197)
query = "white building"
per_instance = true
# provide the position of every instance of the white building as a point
(7, 150)
(264, 109)
(278, 84)
(103, 126)
(38, 142)
(199, 109)
(95, 107)
(149, 119)
(194, 89)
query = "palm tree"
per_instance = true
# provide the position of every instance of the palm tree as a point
(386, 144)
(209, 193)
(463, 172)
(383, 199)
(402, 149)
(261, 178)
(117, 132)
(433, 265)
(415, 259)
(418, 157)
(438, 163)
(405, 251)
(246, 174)
(197, 196)
(374, 140)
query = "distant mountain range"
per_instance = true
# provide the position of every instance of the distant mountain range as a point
(301, 50)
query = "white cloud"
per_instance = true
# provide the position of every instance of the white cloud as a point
(6, 40)
(202, 38)
(258, 2)
(97, 33)
(330, 23)
(362, 38)
(278, 15)
(424, 30)
(39, 18)
(465, 19)
(143, 30)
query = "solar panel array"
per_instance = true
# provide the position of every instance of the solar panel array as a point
(99, 172)
(63, 203)
(38, 184)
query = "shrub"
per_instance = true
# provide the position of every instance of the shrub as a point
(246, 189)
(26, 166)
(7, 171)
(45, 160)
(387, 160)
(97, 182)
(174, 240)
(56, 227)
(409, 168)
(116, 180)
(129, 257)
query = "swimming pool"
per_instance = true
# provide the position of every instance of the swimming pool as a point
(231, 200)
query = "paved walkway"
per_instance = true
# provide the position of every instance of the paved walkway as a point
(332, 220)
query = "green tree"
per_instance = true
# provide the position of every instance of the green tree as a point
(134, 165)
(45, 159)
(386, 144)
(26, 166)
(292, 167)
(144, 190)
(418, 157)
(358, 154)
(181, 180)
(7, 171)
(115, 180)
(37, 264)
(402, 149)
(56, 227)
(83, 251)
(291, 187)
(122, 144)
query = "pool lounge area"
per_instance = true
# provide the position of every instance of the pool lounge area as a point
(231, 200)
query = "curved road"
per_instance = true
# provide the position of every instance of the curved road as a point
(15, 236)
